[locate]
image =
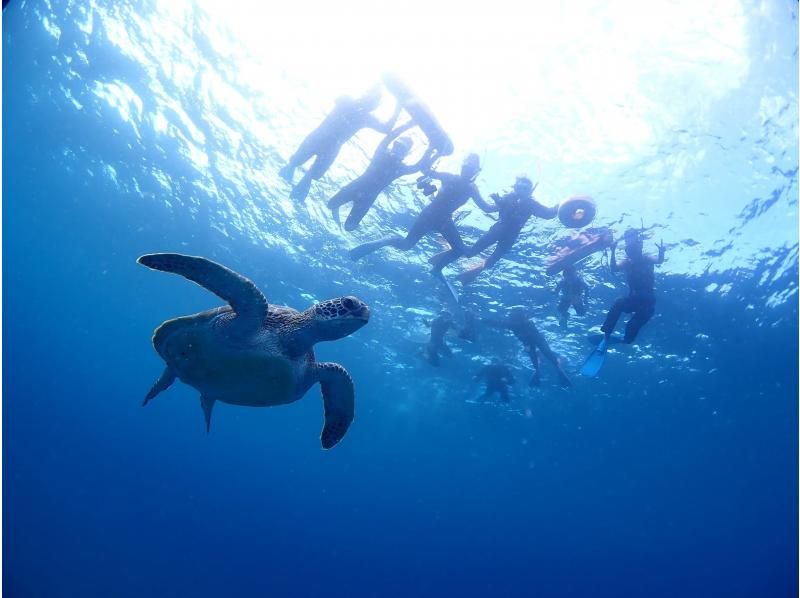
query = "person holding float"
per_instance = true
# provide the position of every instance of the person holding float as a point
(348, 117)
(640, 301)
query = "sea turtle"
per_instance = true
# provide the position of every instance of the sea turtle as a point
(252, 353)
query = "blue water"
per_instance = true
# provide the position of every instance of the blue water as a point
(137, 127)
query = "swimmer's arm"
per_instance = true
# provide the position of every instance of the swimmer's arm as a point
(384, 127)
(394, 134)
(439, 176)
(426, 161)
(494, 323)
(661, 253)
(613, 263)
(480, 202)
(544, 212)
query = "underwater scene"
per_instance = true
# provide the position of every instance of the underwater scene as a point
(431, 299)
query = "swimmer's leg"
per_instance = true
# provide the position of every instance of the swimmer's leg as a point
(534, 355)
(361, 205)
(563, 312)
(308, 148)
(620, 305)
(640, 317)
(541, 344)
(343, 196)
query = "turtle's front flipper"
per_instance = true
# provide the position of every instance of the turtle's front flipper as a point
(163, 383)
(243, 296)
(338, 396)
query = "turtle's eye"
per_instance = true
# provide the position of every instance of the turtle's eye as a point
(349, 303)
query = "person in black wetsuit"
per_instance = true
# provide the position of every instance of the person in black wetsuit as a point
(438, 215)
(386, 166)
(525, 330)
(514, 210)
(574, 293)
(498, 377)
(348, 117)
(641, 299)
(436, 345)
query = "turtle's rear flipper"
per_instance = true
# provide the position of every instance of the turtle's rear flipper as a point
(165, 380)
(207, 405)
(339, 398)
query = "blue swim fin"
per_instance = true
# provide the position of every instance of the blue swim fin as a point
(596, 360)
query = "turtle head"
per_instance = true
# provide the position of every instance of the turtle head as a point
(336, 318)
(176, 341)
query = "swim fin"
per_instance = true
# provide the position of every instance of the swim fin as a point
(447, 285)
(596, 360)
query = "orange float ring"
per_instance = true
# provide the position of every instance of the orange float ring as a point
(577, 211)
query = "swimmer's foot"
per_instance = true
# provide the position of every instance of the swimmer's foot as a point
(300, 191)
(287, 173)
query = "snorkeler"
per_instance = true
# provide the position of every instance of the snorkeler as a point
(574, 293)
(436, 344)
(469, 329)
(498, 377)
(386, 166)
(515, 209)
(526, 332)
(438, 215)
(641, 299)
(349, 115)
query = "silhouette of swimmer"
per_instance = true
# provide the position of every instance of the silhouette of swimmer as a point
(498, 377)
(574, 293)
(641, 299)
(526, 332)
(348, 117)
(436, 344)
(386, 166)
(437, 216)
(514, 210)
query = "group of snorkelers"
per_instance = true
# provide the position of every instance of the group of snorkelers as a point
(514, 209)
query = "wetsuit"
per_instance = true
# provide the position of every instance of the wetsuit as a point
(437, 344)
(348, 116)
(573, 294)
(384, 168)
(455, 191)
(498, 377)
(641, 299)
(533, 341)
(514, 212)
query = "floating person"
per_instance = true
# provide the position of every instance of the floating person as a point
(640, 301)
(348, 117)
(514, 210)
(534, 342)
(469, 329)
(574, 293)
(498, 378)
(437, 216)
(251, 352)
(386, 166)
(436, 344)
